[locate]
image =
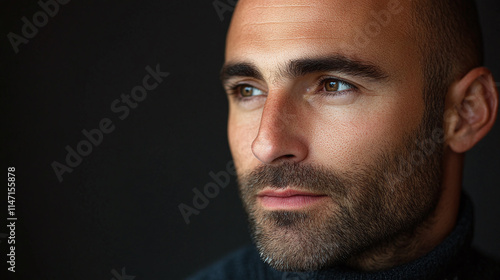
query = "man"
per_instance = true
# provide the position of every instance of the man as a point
(348, 124)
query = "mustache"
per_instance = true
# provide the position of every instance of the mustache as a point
(305, 176)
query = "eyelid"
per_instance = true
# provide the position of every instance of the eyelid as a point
(232, 85)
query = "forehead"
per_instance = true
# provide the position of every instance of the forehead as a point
(280, 30)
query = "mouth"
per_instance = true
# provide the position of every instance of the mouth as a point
(288, 199)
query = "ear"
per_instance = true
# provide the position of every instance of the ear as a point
(470, 110)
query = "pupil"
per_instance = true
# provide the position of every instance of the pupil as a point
(247, 91)
(332, 86)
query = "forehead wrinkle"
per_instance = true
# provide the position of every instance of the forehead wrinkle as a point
(321, 12)
(268, 13)
(278, 7)
(285, 22)
(294, 38)
(289, 30)
(323, 8)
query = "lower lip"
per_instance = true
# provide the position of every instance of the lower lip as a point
(289, 202)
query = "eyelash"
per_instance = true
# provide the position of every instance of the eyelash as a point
(234, 88)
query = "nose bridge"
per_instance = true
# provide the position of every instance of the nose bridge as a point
(278, 116)
(280, 107)
(278, 136)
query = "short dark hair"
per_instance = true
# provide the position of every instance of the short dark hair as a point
(449, 37)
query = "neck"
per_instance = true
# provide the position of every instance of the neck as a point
(412, 245)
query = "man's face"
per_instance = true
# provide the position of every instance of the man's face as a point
(325, 105)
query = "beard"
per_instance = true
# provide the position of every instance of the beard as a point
(367, 208)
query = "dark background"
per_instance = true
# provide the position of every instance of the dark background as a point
(119, 207)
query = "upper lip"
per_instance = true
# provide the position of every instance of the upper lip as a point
(286, 193)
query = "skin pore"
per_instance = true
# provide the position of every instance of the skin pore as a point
(313, 110)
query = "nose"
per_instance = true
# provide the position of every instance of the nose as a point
(280, 137)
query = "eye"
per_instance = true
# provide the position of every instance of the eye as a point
(248, 91)
(335, 85)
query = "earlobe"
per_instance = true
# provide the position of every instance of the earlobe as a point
(471, 109)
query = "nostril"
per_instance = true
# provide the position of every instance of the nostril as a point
(285, 158)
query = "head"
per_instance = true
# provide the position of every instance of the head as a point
(348, 122)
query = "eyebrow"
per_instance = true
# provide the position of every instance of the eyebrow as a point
(240, 69)
(304, 66)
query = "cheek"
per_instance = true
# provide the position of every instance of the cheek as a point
(359, 136)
